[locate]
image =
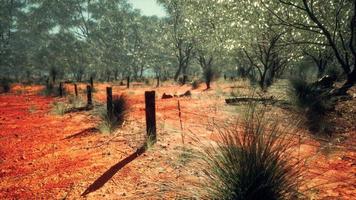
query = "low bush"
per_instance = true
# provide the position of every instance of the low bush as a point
(111, 120)
(252, 163)
(314, 102)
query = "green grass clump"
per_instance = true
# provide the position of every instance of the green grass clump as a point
(314, 102)
(110, 121)
(59, 108)
(251, 164)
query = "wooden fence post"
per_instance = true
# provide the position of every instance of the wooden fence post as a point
(128, 82)
(60, 89)
(76, 90)
(109, 104)
(91, 83)
(90, 102)
(151, 114)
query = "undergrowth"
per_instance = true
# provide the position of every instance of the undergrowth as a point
(111, 120)
(251, 164)
(314, 102)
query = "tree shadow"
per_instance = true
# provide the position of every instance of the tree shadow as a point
(104, 178)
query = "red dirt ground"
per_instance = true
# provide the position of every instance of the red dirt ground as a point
(45, 156)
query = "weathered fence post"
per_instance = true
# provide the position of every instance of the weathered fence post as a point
(76, 90)
(60, 89)
(90, 102)
(91, 83)
(128, 82)
(150, 114)
(109, 104)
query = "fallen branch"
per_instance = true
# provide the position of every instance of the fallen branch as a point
(80, 109)
(271, 101)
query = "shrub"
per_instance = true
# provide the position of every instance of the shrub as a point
(59, 108)
(195, 84)
(119, 108)
(5, 84)
(335, 71)
(314, 102)
(253, 163)
(110, 121)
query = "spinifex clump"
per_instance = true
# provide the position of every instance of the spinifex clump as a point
(116, 117)
(315, 102)
(251, 164)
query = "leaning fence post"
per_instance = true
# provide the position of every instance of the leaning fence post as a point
(76, 90)
(109, 101)
(90, 102)
(60, 89)
(150, 114)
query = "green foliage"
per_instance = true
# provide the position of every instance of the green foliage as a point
(107, 125)
(314, 102)
(336, 72)
(253, 163)
(110, 121)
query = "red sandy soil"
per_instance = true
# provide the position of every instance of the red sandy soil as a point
(45, 156)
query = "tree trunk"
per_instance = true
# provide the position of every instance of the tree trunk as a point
(351, 79)
(157, 81)
(141, 71)
(208, 85)
(176, 75)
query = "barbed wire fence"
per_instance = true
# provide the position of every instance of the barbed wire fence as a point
(211, 119)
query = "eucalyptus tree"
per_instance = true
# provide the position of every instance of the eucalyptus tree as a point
(111, 37)
(179, 35)
(333, 21)
(247, 32)
(322, 57)
(11, 11)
